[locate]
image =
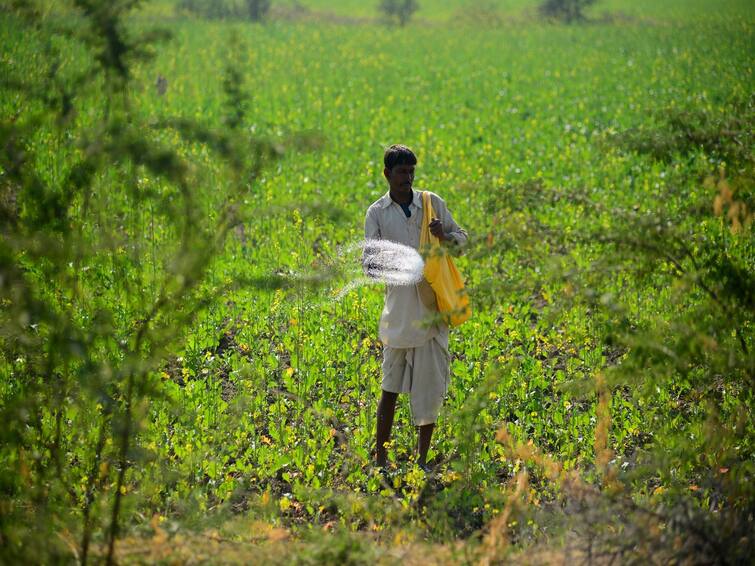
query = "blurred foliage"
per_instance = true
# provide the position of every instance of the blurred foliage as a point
(568, 11)
(697, 348)
(103, 259)
(726, 137)
(399, 11)
(254, 10)
(485, 13)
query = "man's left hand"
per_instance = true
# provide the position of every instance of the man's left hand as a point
(436, 229)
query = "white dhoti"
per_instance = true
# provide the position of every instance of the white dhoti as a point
(423, 372)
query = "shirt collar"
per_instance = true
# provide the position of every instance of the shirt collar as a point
(416, 199)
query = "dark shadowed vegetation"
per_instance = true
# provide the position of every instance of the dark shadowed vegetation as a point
(254, 10)
(569, 11)
(398, 11)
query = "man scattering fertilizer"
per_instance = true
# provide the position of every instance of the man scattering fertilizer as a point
(415, 354)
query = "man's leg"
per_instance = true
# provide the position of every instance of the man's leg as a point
(423, 444)
(385, 411)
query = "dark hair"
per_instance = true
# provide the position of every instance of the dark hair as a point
(398, 154)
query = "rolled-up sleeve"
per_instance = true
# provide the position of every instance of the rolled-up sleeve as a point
(451, 229)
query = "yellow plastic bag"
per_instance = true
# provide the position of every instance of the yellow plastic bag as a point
(441, 272)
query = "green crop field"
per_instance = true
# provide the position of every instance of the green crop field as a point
(187, 376)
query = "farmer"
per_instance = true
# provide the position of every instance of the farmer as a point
(415, 353)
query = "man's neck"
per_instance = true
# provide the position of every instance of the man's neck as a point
(402, 199)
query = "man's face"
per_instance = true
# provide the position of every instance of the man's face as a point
(400, 179)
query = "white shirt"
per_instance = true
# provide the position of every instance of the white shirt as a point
(404, 311)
